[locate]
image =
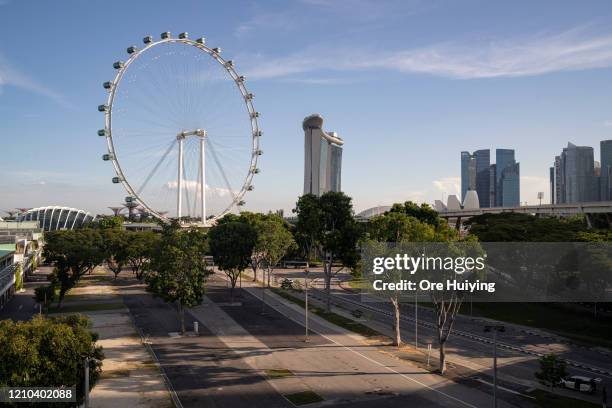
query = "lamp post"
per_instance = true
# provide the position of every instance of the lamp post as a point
(495, 329)
(306, 338)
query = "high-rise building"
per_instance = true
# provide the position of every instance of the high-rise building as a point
(551, 180)
(510, 186)
(492, 184)
(491, 179)
(575, 172)
(507, 179)
(605, 179)
(322, 157)
(483, 163)
(468, 173)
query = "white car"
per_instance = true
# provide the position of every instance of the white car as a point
(580, 383)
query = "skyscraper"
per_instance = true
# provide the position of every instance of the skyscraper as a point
(510, 186)
(507, 179)
(490, 180)
(322, 157)
(483, 163)
(575, 172)
(468, 173)
(605, 180)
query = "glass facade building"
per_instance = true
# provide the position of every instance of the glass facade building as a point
(56, 217)
(605, 180)
(576, 180)
(322, 157)
(483, 164)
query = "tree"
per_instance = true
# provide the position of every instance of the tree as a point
(73, 253)
(177, 268)
(397, 227)
(115, 244)
(231, 245)
(552, 371)
(50, 352)
(423, 212)
(326, 228)
(273, 241)
(45, 295)
(140, 247)
(514, 227)
(113, 222)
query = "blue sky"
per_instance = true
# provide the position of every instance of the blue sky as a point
(407, 84)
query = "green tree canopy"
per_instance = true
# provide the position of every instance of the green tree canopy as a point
(49, 352)
(327, 229)
(177, 268)
(140, 248)
(231, 244)
(514, 227)
(73, 253)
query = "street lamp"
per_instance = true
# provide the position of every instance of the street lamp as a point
(306, 271)
(86, 380)
(495, 329)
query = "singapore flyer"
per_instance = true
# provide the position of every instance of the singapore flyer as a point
(181, 130)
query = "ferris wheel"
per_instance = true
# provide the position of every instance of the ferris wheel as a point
(181, 130)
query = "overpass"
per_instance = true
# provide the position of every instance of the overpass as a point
(554, 210)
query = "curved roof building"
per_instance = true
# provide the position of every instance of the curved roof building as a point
(53, 218)
(374, 211)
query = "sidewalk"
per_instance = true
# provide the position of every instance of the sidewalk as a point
(342, 369)
(130, 378)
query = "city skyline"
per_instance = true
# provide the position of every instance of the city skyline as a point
(423, 89)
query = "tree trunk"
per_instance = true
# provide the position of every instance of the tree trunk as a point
(442, 355)
(181, 316)
(396, 323)
(327, 271)
(269, 273)
(254, 267)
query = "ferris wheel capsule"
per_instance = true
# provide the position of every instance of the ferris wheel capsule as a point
(107, 157)
(102, 108)
(117, 180)
(217, 50)
(102, 132)
(107, 85)
(118, 65)
(201, 40)
(147, 40)
(184, 35)
(165, 35)
(132, 49)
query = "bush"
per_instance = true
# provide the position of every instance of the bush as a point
(49, 352)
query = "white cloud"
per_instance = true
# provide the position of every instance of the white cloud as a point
(192, 185)
(448, 185)
(11, 76)
(570, 50)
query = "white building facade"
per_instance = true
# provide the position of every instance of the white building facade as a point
(322, 157)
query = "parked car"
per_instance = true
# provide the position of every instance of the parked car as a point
(580, 383)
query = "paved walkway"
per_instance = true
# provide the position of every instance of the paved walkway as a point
(130, 378)
(342, 367)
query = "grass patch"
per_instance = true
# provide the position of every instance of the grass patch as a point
(303, 398)
(331, 317)
(87, 308)
(279, 373)
(547, 400)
